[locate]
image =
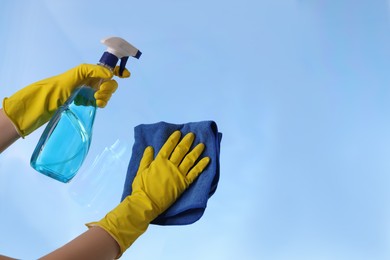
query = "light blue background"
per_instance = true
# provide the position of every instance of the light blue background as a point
(300, 90)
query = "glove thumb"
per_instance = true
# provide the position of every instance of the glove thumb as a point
(147, 158)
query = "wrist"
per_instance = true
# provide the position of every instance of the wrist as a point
(129, 220)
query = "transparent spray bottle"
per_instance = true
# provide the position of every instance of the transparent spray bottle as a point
(65, 142)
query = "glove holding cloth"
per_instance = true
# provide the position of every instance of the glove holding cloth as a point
(158, 184)
(192, 204)
(34, 105)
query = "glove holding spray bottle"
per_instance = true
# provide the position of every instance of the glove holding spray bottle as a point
(66, 139)
(34, 105)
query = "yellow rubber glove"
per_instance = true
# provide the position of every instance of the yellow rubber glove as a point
(158, 184)
(34, 105)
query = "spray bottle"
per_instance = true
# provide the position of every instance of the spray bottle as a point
(65, 142)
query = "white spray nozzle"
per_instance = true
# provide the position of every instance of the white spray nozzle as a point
(120, 48)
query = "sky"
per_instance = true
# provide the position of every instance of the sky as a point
(298, 88)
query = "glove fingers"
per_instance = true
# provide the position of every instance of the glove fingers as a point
(109, 86)
(190, 159)
(182, 149)
(93, 71)
(104, 93)
(101, 103)
(197, 169)
(105, 96)
(125, 73)
(146, 159)
(169, 145)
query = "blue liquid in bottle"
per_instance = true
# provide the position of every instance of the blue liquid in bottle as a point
(65, 141)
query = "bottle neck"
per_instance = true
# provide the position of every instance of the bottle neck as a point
(108, 60)
(106, 66)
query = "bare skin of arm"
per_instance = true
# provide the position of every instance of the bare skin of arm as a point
(95, 243)
(8, 132)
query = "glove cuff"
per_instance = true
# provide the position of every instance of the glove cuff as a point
(12, 121)
(129, 220)
(99, 224)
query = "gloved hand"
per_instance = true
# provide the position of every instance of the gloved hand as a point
(158, 184)
(34, 105)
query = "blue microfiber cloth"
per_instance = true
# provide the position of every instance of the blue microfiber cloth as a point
(192, 204)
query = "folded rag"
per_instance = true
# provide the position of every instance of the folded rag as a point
(191, 205)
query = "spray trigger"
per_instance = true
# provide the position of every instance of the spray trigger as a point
(122, 65)
(117, 49)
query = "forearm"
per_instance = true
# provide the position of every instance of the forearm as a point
(94, 244)
(8, 133)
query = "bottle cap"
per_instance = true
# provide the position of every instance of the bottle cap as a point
(117, 49)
